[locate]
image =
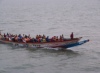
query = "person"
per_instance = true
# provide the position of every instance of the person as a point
(0, 35)
(0, 32)
(47, 39)
(4, 35)
(20, 37)
(72, 35)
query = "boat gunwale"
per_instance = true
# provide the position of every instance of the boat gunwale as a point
(51, 42)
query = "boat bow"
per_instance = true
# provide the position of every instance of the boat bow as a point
(75, 44)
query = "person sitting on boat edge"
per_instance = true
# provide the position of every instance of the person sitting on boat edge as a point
(47, 39)
(61, 38)
(4, 35)
(0, 32)
(20, 38)
(0, 36)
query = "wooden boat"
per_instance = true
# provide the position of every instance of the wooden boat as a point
(67, 43)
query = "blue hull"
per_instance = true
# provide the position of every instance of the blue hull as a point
(75, 44)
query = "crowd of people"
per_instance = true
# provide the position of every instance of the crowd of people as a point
(28, 39)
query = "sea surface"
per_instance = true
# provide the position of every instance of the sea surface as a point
(51, 18)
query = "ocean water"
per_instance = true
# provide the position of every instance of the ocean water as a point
(51, 17)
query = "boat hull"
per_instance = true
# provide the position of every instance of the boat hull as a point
(59, 44)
